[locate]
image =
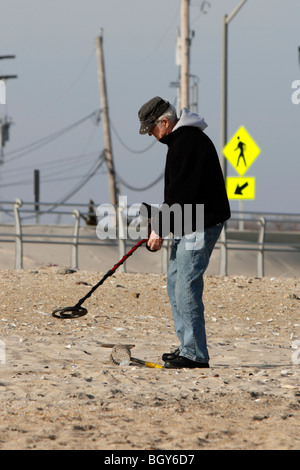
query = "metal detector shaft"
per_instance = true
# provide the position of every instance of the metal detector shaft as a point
(78, 311)
(111, 271)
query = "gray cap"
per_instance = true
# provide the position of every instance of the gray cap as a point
(150, 112)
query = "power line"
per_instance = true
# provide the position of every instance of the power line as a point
(71, 86)
(58, 162)
(54, 180)
(82, 183)
(93, 170)
(174, 19)
(20, 152)
(63, 166)
(128, 148)
(133, 188)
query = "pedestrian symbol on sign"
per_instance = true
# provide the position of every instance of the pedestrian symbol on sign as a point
(241, 151)
(241, 147)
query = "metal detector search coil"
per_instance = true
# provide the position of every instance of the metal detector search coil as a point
(76, 312)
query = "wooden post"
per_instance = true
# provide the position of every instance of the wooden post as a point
(105, 120)
(36, 178)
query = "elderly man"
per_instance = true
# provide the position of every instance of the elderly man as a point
(193, 177)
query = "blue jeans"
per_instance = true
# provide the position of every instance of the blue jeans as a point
(188, 261)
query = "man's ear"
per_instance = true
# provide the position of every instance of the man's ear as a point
(166, 122)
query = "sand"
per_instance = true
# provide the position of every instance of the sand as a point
(60, 391)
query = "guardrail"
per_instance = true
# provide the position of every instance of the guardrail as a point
(73, 240)
(265, 241)
(229, 239)
(226, 244)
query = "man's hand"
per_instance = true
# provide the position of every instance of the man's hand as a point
(155, 241)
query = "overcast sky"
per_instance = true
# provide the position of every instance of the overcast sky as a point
(57, 86)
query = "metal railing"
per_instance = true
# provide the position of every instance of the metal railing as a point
(226, 244)
(230, 239)
(243, 240)
(74, 240)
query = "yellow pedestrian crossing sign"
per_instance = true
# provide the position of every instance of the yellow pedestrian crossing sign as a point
(241, 151)
(240, 188)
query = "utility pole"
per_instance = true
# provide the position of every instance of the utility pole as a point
(105, 119)
(176, 84)
(224, 86)
(185, 53)
(224, 97)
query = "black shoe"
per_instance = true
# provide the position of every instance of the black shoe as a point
(181, 362)
(170, 356)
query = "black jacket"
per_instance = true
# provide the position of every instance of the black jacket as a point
(193, 175)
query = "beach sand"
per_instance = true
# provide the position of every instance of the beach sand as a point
(59, 389)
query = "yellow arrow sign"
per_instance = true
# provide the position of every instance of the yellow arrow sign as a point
(240, 188)
(241, 151)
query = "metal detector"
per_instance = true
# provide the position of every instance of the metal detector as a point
(77, 310)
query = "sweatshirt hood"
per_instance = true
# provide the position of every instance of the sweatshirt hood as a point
(188, 118)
